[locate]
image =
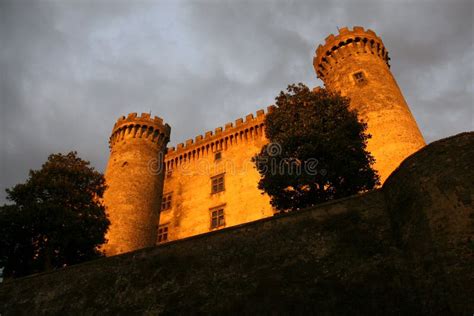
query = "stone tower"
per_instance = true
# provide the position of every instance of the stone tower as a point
(134, 177)
(355, 63)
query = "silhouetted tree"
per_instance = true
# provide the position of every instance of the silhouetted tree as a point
(317, 150)
(57, 218)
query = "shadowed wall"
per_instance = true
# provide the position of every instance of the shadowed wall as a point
(404, 249)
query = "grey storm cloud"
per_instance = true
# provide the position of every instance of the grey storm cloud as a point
(69, 69)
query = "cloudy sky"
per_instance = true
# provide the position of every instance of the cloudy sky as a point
(70, 68)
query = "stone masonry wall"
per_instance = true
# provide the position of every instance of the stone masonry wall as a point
(192, 165)
(430, 200)
(404, 249)
(333, 256)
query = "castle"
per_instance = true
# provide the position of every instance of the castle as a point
(157, 194)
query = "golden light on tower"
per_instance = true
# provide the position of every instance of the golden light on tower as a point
(135, 182)
(356, 64)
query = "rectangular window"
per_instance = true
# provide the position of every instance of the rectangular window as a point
(359, 77)
(217, 156)
(217, 184)
(163, 233)
(166, 201)
(217, 218)
(169, 173)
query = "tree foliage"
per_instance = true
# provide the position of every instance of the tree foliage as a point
(56, 219)
(316, 152)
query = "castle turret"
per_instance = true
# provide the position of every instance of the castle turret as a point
(356, 64)
(134, 177)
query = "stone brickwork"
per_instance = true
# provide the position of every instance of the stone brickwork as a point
(430, 200)
(405, 249)
(191, 166)
(134, 177)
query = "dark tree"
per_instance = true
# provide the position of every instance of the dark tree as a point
(316, 152)
(56, 220)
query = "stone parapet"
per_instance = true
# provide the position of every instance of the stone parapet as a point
(143, 126)
(337, 47)
(231, 133)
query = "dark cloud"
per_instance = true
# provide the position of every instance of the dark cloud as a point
(69, 69)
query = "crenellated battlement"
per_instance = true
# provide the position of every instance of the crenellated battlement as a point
(242, 129)
(347, 42)
(143, 126)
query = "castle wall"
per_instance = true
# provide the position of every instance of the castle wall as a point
(191, 167)
(430, 202)
(308, 262)
(403, 250)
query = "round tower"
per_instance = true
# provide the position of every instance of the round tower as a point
(134, 179)
(356, 64)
